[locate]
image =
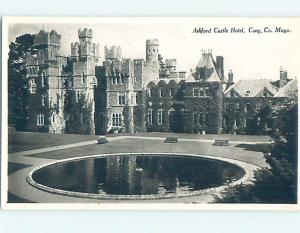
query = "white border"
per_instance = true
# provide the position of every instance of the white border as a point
(4, 126)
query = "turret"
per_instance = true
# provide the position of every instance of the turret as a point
(113, 52)
(152, 50)
(47, 44)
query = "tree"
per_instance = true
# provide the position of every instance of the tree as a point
(78, 113)
(278, 183)
(17, 82)
(161, 62)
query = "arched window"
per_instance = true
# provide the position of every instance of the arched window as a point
(150, 116)
(40, 119)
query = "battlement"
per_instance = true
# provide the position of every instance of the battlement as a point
(85, 33)
(45, 38)
(150, 42)
(171, 63)
(113, 52)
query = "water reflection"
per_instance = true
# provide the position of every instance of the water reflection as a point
(136, 174)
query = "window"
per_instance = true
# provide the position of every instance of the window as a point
(43, 100)
(43, 79)
(149, 92)
(121, 99)
(83, 77)
(202, 119)
(248, 107)
(40, 119)
(172, 92)
(53, 118)
(160, 93)
(150, 116)
(232, 93)
(77, 96)
(195, 92)
(160, 116)
(51, 54)
(32, 86)
(201, 92)
(116, 119)
(195, 117)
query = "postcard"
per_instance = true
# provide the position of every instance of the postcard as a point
(150, 113)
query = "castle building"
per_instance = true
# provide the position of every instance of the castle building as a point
(47, 72)
(139, 95)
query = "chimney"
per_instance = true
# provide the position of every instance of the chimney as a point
(220, 66)
(283, 78)
(230, 79)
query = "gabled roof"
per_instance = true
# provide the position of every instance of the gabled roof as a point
(207, 65)
(289, 89)
(252, 88)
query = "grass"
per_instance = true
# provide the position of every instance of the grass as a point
(20, 141)
(142, 145)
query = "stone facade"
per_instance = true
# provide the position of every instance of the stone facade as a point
(138, 95)
(47, 73)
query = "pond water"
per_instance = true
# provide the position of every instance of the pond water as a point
(138, 174)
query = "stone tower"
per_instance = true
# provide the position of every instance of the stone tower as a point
(84, 58)
(151, 67)
(45, 84)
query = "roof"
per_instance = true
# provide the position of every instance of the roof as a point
(251, 88)
(206, 69)
(289, 89)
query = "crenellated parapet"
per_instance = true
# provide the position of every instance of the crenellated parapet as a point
(113, 52)
(85, 33)
(45, 38)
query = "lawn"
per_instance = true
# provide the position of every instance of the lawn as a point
(128, 145)
(20, 141)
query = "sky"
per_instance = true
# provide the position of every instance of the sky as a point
(249, 55)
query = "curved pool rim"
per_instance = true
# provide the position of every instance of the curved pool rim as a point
(212, 190)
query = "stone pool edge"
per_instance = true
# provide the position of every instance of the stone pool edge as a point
(213, 190)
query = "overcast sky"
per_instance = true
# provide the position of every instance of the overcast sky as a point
(249, 55)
